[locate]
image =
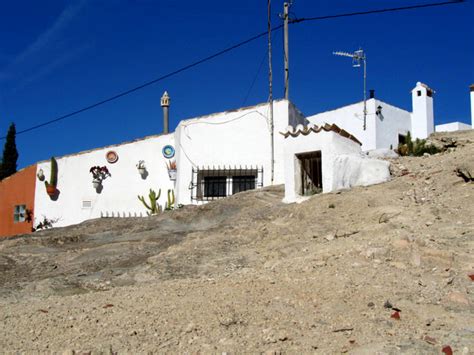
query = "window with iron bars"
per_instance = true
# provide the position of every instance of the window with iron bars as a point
(211, 183)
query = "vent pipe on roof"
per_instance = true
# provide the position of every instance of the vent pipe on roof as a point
(165, 103)
(371, 94)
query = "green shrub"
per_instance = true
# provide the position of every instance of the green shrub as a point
(417, 148)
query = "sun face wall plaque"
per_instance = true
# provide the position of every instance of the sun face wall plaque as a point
(168, 151)
(111, 156)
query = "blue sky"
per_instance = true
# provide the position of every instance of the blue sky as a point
(58, 56)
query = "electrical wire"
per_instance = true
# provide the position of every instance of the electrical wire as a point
(254, 79)
(393, 9)
(151, 82)
(224, 51)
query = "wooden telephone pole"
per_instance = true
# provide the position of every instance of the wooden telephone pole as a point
(286, 10)
(270, 87)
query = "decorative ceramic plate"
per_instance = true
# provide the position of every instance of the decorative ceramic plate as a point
(111, 156)
(168, 151)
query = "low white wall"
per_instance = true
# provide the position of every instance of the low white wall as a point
(353, 170)
(230, 139)
(452, 127)
(119, 193)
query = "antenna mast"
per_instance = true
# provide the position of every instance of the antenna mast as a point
(357, 57)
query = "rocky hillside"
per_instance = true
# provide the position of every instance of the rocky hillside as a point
(385, 269)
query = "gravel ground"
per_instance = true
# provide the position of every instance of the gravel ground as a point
(383, 269)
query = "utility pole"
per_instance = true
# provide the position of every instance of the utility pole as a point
(270, 86)
(286, 7)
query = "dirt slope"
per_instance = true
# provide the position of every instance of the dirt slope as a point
(250, 274)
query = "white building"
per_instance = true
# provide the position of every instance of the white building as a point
(386, 125)
(215, 156)
(77, 200)
(324, 159)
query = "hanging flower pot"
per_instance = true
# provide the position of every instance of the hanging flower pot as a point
(172, 170)
(50, 190)
(99, 174)
(141, 168)
(172, 174)
(96, 183)
(40, 175)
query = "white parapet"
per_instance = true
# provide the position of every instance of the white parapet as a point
(353, 170)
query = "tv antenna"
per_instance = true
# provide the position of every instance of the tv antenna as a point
(358, 57)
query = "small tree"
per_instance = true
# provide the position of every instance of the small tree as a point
(10, 154)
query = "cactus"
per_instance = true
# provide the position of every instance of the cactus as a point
(154, 207)
(170, 203)
(53, 180)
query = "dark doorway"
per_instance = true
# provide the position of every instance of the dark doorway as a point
(311, 173)
(402, 139)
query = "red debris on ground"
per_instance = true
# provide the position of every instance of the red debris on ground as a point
(395, 315)
(447, 350)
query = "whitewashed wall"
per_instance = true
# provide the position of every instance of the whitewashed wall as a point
(472, 104)
(451, 127)
(330, 146)
(232, 139)
(342, 162)
(422, 117)
(381, 131)
(119, 193)
(390, 123)
(351, 119)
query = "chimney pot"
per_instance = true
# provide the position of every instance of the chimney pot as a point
(165, 103)
(372, 93)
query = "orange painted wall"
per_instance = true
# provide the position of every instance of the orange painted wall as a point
(18, 189)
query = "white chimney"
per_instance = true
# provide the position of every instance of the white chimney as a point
(165, 103)
(471, 88)
(422, 117)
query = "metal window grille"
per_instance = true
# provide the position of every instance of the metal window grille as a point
(211, 183)
(19, 213)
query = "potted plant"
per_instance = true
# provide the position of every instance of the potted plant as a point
(40, 175)
(172, 169)
(141, 167)
(99, 173)
(53, 180)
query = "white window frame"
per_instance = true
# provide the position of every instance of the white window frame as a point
(19, 214)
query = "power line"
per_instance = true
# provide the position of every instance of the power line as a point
(255, 78)
(393, 9)
(151, 82)
(226, 50)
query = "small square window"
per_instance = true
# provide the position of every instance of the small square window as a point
(418, 92)
(19, 213)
